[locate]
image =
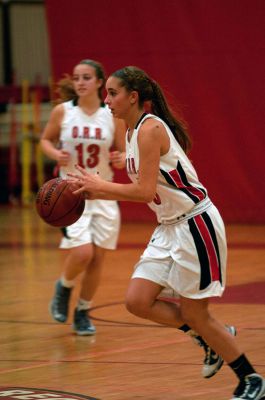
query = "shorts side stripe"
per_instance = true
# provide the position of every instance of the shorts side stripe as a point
(209, 245)
(210, 227)
(207, 249)
(202, 254)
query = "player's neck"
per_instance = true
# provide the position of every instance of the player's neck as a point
(134, 120)
(89, 105)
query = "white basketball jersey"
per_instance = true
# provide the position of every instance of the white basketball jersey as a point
(178, 189)
(88, 139)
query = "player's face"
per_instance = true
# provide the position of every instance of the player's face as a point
(118, 99)
(85, 80)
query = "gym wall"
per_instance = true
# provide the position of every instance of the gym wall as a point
(208, 56)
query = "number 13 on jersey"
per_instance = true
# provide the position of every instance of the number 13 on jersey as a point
(87, 156)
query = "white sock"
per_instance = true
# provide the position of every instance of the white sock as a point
(66, 283)
(84, 304)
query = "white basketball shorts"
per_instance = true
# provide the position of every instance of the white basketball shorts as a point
(187, 258)
(99, 224)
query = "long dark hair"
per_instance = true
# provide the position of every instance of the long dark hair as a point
(133, 78)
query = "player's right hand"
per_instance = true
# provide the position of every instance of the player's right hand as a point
(63, 158)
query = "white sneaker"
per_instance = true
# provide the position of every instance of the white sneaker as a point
(251, 388)
(212, 361)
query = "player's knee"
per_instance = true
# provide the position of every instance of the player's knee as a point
(137, 307)
(82, 256)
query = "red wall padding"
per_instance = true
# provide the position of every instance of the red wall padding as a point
(208, 55)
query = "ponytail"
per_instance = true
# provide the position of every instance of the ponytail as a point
(160, 107)
(65, 90)
(133, 78)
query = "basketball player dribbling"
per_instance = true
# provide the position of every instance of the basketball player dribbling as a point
(86, 131)
(186, 256)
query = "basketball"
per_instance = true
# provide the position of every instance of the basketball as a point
(57, 205)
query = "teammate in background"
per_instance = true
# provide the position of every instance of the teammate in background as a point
(89, 136)
(187, 253)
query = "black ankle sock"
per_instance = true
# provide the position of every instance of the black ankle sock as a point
(185, 328)
(199, 340)
(242, 367)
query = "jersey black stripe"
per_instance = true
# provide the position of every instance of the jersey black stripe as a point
(171, 182)
(210, 227)
(184, 178)
(202, 254)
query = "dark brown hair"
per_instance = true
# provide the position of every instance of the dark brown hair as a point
(133, 78)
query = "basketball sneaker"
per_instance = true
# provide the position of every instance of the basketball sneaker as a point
(82, 324)
(252, 387)
(212, 361)
(60, 302)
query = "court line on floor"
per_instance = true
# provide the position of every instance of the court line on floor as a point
(91, 356)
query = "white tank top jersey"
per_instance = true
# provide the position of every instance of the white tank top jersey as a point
(88, 138)
(178, 189)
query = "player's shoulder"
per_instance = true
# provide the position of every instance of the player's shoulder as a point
(69, 104)
(63, 106)
(58, 111)
(152, 125)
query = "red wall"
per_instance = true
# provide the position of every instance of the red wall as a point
(208, 55)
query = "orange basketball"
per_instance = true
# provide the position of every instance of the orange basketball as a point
(57, 205)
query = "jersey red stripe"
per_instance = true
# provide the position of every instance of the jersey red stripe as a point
(179, 183)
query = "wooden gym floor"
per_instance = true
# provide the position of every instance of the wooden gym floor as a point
(129, 358)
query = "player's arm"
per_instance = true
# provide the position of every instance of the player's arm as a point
(118, 156)
(151, 136)
(51, 134)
